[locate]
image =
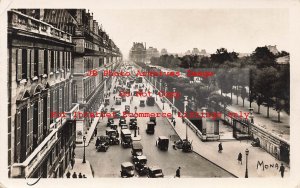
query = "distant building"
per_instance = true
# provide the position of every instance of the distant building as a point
(273, 49)
(138, 52)
(151, 52)
(188, 52)
(164, 52)
(195, 51)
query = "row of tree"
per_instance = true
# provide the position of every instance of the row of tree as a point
(256, 77)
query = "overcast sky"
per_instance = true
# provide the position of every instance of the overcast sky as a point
(241, 30)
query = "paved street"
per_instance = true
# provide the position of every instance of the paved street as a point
(107, 164)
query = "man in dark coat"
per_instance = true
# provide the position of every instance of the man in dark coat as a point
(240, 156)
(220, 148)
(281, 170)
(178, 172)
(97, 142)
(68, 175)
(95, 131)
(72, 163)
(79, 175)
(174, 123)
(74, 175)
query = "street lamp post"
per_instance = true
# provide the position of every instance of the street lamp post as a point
(174, 89)
(184, 111)
(247, 153)
(83, 161)
(159, 85)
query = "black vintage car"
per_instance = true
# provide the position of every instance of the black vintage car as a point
(162, 143)
(150, 127)
(122, 120)
(142, 103)
(127, 169)
(113, 136)
(140, 165)
(126, 139)
(150, 101)
(103, 144)
(187, 146)
(153, 119)
(137, 150)
(110, 121)
(133, 125)
(155, 172)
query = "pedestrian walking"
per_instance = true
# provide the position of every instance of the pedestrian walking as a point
(174, 123)
(74, 175)
(114, 98)
(68, 174)
(95, 132)
(79, 175)
(97, 142)
(220, 148)
(72, 163)
(240, 156)
(178, 172)
(281, 170)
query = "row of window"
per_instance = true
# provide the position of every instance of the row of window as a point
(31, 62)
(88, 86)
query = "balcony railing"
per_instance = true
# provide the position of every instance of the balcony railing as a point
(24, 22)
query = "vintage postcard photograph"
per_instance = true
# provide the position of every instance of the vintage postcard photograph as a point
(140, 93)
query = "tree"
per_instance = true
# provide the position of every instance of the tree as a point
(243, 94)
(263, 57)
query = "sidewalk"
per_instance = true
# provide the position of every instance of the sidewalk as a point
(282, 129)
(79, 167)
(228, 159)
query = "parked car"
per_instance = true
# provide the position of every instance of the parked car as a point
(150, 101)
(136, 150)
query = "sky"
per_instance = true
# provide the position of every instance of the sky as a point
(179, 30)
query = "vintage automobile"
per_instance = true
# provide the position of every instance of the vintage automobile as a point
(118, 101)
(153, 119)
(150, 127)
(122, 120)
(106, 102)
(127, 108)
(186, 146)
(162, 143)
(136, 150)
(142, 103)
(140, 165)
(103, 144)
(110, 121)
(255, 142)
(126, 139)
(124, 126)
(155, 172)
(113, 136)
(113, 126)
(127, 170)
(116, 113)
(150, 101)
(133, 125)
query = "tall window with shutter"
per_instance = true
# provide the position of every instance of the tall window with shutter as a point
(36, 62)
(46, 70)
(18, 137)
(51, 101)
(41, 62)
(17, 58)
(52, 60)
(24, 63)
(31, 59)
